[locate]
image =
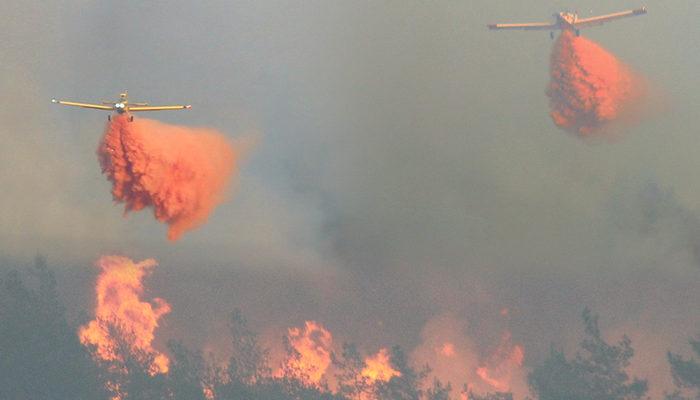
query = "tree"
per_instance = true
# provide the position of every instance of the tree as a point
(352, 384)
(596, 372)
(40, 355)
(686, 372)
(250, 377)
(407, 385)
(188, 377)
(249, 362)
(130, 374)
(439, 391)
(491, 396)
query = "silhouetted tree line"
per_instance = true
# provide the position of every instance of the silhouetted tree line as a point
(42, 358)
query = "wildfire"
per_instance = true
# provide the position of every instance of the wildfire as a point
(312, 348)
(378, 367)
(447, 350)
(501, 366)
(119, 302)
(119, 289)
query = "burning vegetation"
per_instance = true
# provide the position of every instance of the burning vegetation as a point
(119, 310)
(43, 356)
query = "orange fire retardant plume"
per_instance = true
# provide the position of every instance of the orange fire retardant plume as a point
(181, 172)
(589, 87)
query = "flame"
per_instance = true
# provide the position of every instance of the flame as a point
(455, 357)
(312, 347)
(450, 352)
(502, 365)
(589, 86)
(181, 172)
(378, 367)
(447, 350)
(119, 289)
(312, 343)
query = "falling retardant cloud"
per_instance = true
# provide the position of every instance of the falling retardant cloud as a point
(589, 87)
(181, 172)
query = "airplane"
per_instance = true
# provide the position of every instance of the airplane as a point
(121, 106)
(570, 21)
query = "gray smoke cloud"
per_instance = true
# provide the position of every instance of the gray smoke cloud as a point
(407, 169)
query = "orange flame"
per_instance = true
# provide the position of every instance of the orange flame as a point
(119, 288)
(312, 343)
(447, 350)
(378, 367)
(502, 365)
(589, 86)
(181, 172)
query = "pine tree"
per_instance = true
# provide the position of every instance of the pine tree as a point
(598, 371)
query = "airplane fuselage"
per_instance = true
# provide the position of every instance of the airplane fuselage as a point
(566, 20)
(122, 105)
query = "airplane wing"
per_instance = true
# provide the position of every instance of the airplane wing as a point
(84, 105)
(535, 26)
(599, 20)
(157, 108)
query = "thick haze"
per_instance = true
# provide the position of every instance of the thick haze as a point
(406, 169)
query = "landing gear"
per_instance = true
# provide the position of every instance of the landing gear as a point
(109, 118)
(131, 118)
(551, 35)
(578, 32)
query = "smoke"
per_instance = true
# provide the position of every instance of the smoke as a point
(455, 357)
(118, 290)
(181, 172)
(589, 87)
(449, 352)
(503, 366)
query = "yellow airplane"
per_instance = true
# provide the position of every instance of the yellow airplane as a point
(122, 106)
(570, 21)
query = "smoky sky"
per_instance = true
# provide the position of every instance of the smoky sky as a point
(405, 167)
